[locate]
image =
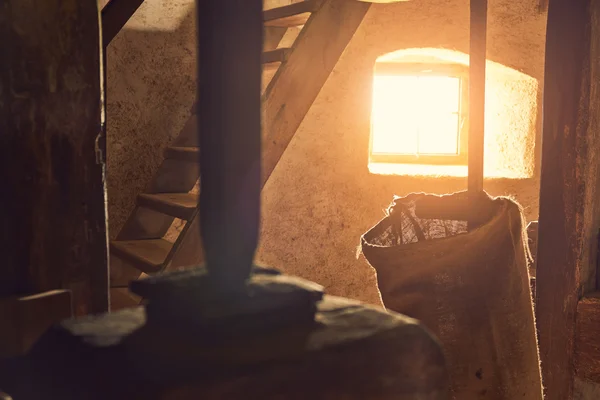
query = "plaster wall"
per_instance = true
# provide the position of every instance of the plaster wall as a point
(321, 197)
(151, 83)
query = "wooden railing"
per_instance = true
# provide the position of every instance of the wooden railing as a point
(115, 15)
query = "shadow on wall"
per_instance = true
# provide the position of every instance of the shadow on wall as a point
(151, 83)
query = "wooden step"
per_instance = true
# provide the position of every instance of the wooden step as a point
(292, 15)
(174, 176)
(178, 205)
(272, 59)
(121, 298)
(146, 255)
(191, 154)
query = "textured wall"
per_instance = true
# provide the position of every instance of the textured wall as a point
(321, 197)
(151, 68)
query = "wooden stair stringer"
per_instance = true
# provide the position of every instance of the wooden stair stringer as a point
(316, 51)
(287, 99)
(187, 250)
(336, 20)
(174, 175)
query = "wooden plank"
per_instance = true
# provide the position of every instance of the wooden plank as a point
(273, 58)
(121, 298)
(146, 255)
(174, 176)
(145, 223)
(532, 241)
(271, 67)
(115, 15)
(25, 319)
(52, 219)
(290, 94)
(477, 58)
(568, 220)
(188, 250)
(178, 205)
(122, 272)
(291, 15)
(190, 154)
(586, 358)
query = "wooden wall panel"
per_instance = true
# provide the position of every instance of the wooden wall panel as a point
(52, 204)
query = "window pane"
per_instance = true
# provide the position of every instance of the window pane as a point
(396, 139)
(439, 134)
(415, 114)
(394, 115)
(440, 93)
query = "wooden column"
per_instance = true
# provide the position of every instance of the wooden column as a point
(52, 203)
(230, 34)
(477, 57)
(568, 220)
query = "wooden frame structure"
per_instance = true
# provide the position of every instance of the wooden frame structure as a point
(140, 246)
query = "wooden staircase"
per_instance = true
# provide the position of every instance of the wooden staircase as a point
(163, 232)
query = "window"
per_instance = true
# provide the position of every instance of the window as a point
(419, 114)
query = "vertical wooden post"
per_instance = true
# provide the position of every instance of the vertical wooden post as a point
(569, 203)
(52, 206)
(230, 36)
(477, 57)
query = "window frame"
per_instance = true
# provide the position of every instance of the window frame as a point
(428, 69)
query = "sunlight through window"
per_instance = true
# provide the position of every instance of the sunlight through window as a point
(416, 115)
(420, 116)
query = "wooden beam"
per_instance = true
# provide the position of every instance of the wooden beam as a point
(586, 357)
(477, 58)
(52, 214)
(229, 129)
(294, 14)
(25, 319)
(568, 220)
(115, 15)
(299, 80)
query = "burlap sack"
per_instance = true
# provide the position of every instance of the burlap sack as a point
(470, 288)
